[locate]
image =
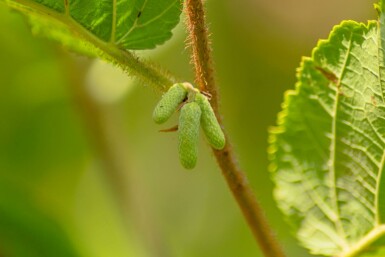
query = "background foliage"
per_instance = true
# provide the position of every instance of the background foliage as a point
(52, 178)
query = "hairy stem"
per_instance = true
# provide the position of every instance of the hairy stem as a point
(149, 73)
(236, 179)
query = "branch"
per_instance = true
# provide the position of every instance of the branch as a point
(101, 123)
(236, 179)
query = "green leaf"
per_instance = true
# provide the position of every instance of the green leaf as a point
(328, 150)
(128, 24)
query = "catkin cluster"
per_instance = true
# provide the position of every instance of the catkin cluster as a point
(195, 112)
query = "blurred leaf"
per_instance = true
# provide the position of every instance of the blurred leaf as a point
(328, 151)
(126, 24)
(25, 230)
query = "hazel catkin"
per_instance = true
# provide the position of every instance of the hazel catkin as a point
(169, 103)
(209, 123)
(188, 134)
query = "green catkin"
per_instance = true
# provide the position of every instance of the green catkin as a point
(169, 103)
(209, 123)
(188, 130)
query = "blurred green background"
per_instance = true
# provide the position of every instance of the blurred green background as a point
(84, 170)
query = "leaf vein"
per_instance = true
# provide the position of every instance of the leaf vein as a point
(332, 165)
(113, 29)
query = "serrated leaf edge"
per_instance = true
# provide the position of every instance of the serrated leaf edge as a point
(378, 230)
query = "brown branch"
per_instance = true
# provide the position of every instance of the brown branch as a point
(200, 44)
(236, 179)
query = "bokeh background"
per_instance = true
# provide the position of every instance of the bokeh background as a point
(84, 170)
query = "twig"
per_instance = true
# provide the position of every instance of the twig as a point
(102, 126)
(236, 179)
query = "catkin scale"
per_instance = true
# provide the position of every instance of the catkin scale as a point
(188, 134)
(209, 123)
(169, 103)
